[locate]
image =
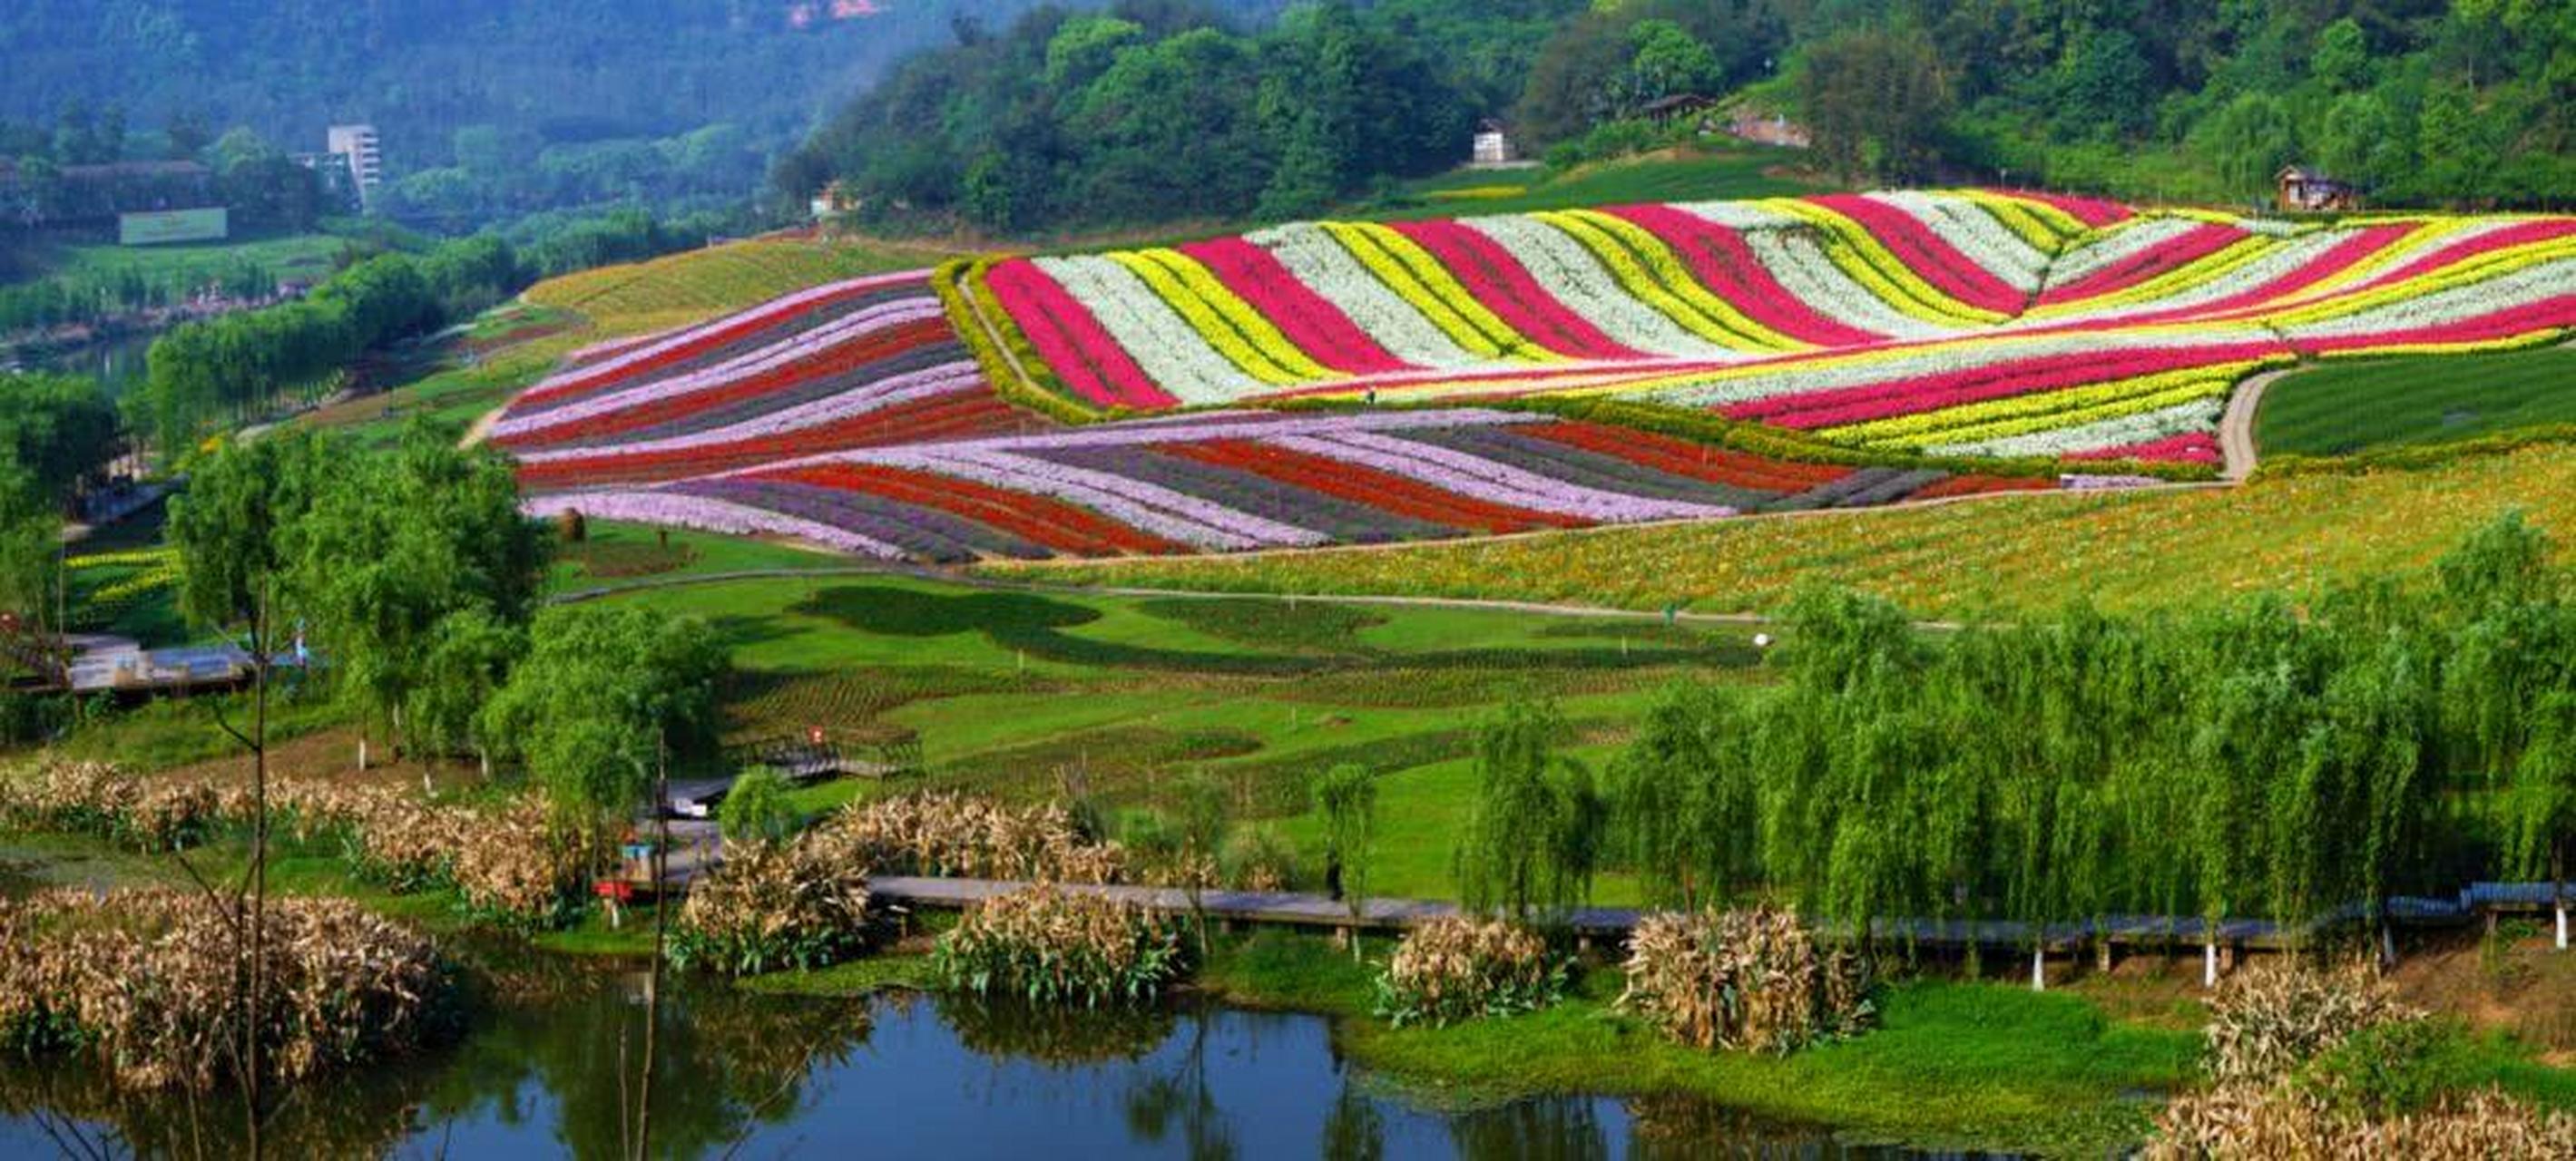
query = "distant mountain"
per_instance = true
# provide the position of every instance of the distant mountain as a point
(557, 71)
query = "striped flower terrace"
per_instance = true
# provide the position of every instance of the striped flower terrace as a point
(859, 416)
(1232, 482)
(1971, 323)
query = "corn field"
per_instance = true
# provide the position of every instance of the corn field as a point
(1047, 946)
(145, 981)
(1753, 981)
(1460, 969)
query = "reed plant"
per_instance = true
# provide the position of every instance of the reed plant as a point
(2267, 1022)
(1044, 945)
(1755, 981)
(774, 906)
(148, 984)
(1455, 969)
(951, 835)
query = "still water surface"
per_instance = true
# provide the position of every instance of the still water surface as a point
(898, 1076)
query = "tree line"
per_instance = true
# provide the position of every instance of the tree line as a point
(223, 371)
(2293, 761)
(1167, 111)
(411, 581)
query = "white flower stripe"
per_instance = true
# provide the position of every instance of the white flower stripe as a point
(1325, 267)
(1178, 358)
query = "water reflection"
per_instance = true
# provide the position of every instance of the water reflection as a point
(552, 1067)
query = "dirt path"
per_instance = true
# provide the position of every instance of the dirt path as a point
(2236, 430)
(483, 424)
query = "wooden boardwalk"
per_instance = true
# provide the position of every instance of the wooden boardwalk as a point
(1290, 909)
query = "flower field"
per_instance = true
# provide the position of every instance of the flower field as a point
(1960, 324)
(1879, 341)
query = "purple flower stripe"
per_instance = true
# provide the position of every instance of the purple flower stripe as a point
(1485, 479)
(1161, 511)
(773, 310)
(922, 539)
(681, 511)
(802, 348)
(713, 353)
(1343, 521)
(1588, 469)
(826, 401)
(2084, 483)
(1233, 425)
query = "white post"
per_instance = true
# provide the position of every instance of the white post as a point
(2562, 926)
(2209, 964)
(362, 753)
(2038, 970)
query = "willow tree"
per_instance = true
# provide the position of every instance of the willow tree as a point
(2540, 807)
(1534, 838)
(1684, 798)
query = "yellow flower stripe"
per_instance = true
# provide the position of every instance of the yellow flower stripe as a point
(2017, 217)
(2057, 225)
(1246, 323)
(2550, 336)
(2172, 282)
(1205, 320)
(130, 557)
(2427, 234)
(1869, 261)
(2020, 415)
(1427, 287)
(2468, 271)
(1652, 272)
(2116, 406)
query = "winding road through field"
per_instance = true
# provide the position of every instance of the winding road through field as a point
(2236, 430)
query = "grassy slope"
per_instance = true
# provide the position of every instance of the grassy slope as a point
(2343, 408)
(2031, 553)
(1013, 694)
(1678, 176)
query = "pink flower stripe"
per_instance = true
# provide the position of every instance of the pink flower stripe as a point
(2193, 447)
(2463, 250)
(856, 401)
(2253, 303)
(1071, 341)
(2181, 252)
(1308, 319)
(679, 510)
(1927, 253)
(1981, 383)
(1504, 286)
(724, 330)
(1721, 261)
(782, 363)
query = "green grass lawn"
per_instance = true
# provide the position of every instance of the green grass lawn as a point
(304, 256)
(1025, 696)
(1743, 171)
(2343, 408)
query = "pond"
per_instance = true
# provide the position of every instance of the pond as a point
(905, 1076)
(117, 363)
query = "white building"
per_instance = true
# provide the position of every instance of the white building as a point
(366, 159)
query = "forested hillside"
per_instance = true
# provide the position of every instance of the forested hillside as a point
(1156, 111)
(487, 107)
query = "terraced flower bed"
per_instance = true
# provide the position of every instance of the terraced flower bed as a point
(1336, 383)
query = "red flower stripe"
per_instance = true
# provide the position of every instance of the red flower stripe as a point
(1697, 461)
(1977, 384)
(1072, 341)
(1506, 287)
(964, 414)
(1038, 519)
(2344, 256)
(2191, 247)
(2197, 447)
(1308, 319)
(2463, 250)
(830, 361)
(716, 335)
(1930, 256)
(1721, 261)
(2532, 319)
(2093, 212)
(1384, 491)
